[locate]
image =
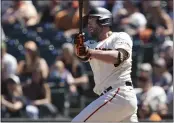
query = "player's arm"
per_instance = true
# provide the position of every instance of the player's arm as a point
(111, 56)
(121, 51)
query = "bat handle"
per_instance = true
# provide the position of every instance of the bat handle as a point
(81, 42)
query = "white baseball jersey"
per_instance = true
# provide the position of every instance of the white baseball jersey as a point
(120, 103)
(106, 74)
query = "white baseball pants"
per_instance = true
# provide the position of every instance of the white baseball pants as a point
(119, 104)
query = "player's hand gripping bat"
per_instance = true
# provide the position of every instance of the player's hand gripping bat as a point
(80, 37)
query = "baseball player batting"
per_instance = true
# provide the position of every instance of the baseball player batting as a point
(110, 57)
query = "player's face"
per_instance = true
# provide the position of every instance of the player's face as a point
(93, 27)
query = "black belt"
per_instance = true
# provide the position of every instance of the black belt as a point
(110, 88)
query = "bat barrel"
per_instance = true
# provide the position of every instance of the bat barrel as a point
(80, 16)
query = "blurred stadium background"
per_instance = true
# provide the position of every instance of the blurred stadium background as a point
(41, 78)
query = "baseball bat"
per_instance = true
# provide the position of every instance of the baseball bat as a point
(80, 16)
(81, 41)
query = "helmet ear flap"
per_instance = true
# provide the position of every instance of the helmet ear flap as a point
(101, 21)
(107, 21)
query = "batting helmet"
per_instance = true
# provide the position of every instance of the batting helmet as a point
(104, 16)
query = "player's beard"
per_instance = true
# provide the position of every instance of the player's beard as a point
(95, 34)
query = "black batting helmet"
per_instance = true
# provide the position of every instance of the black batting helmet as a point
(104, 16)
